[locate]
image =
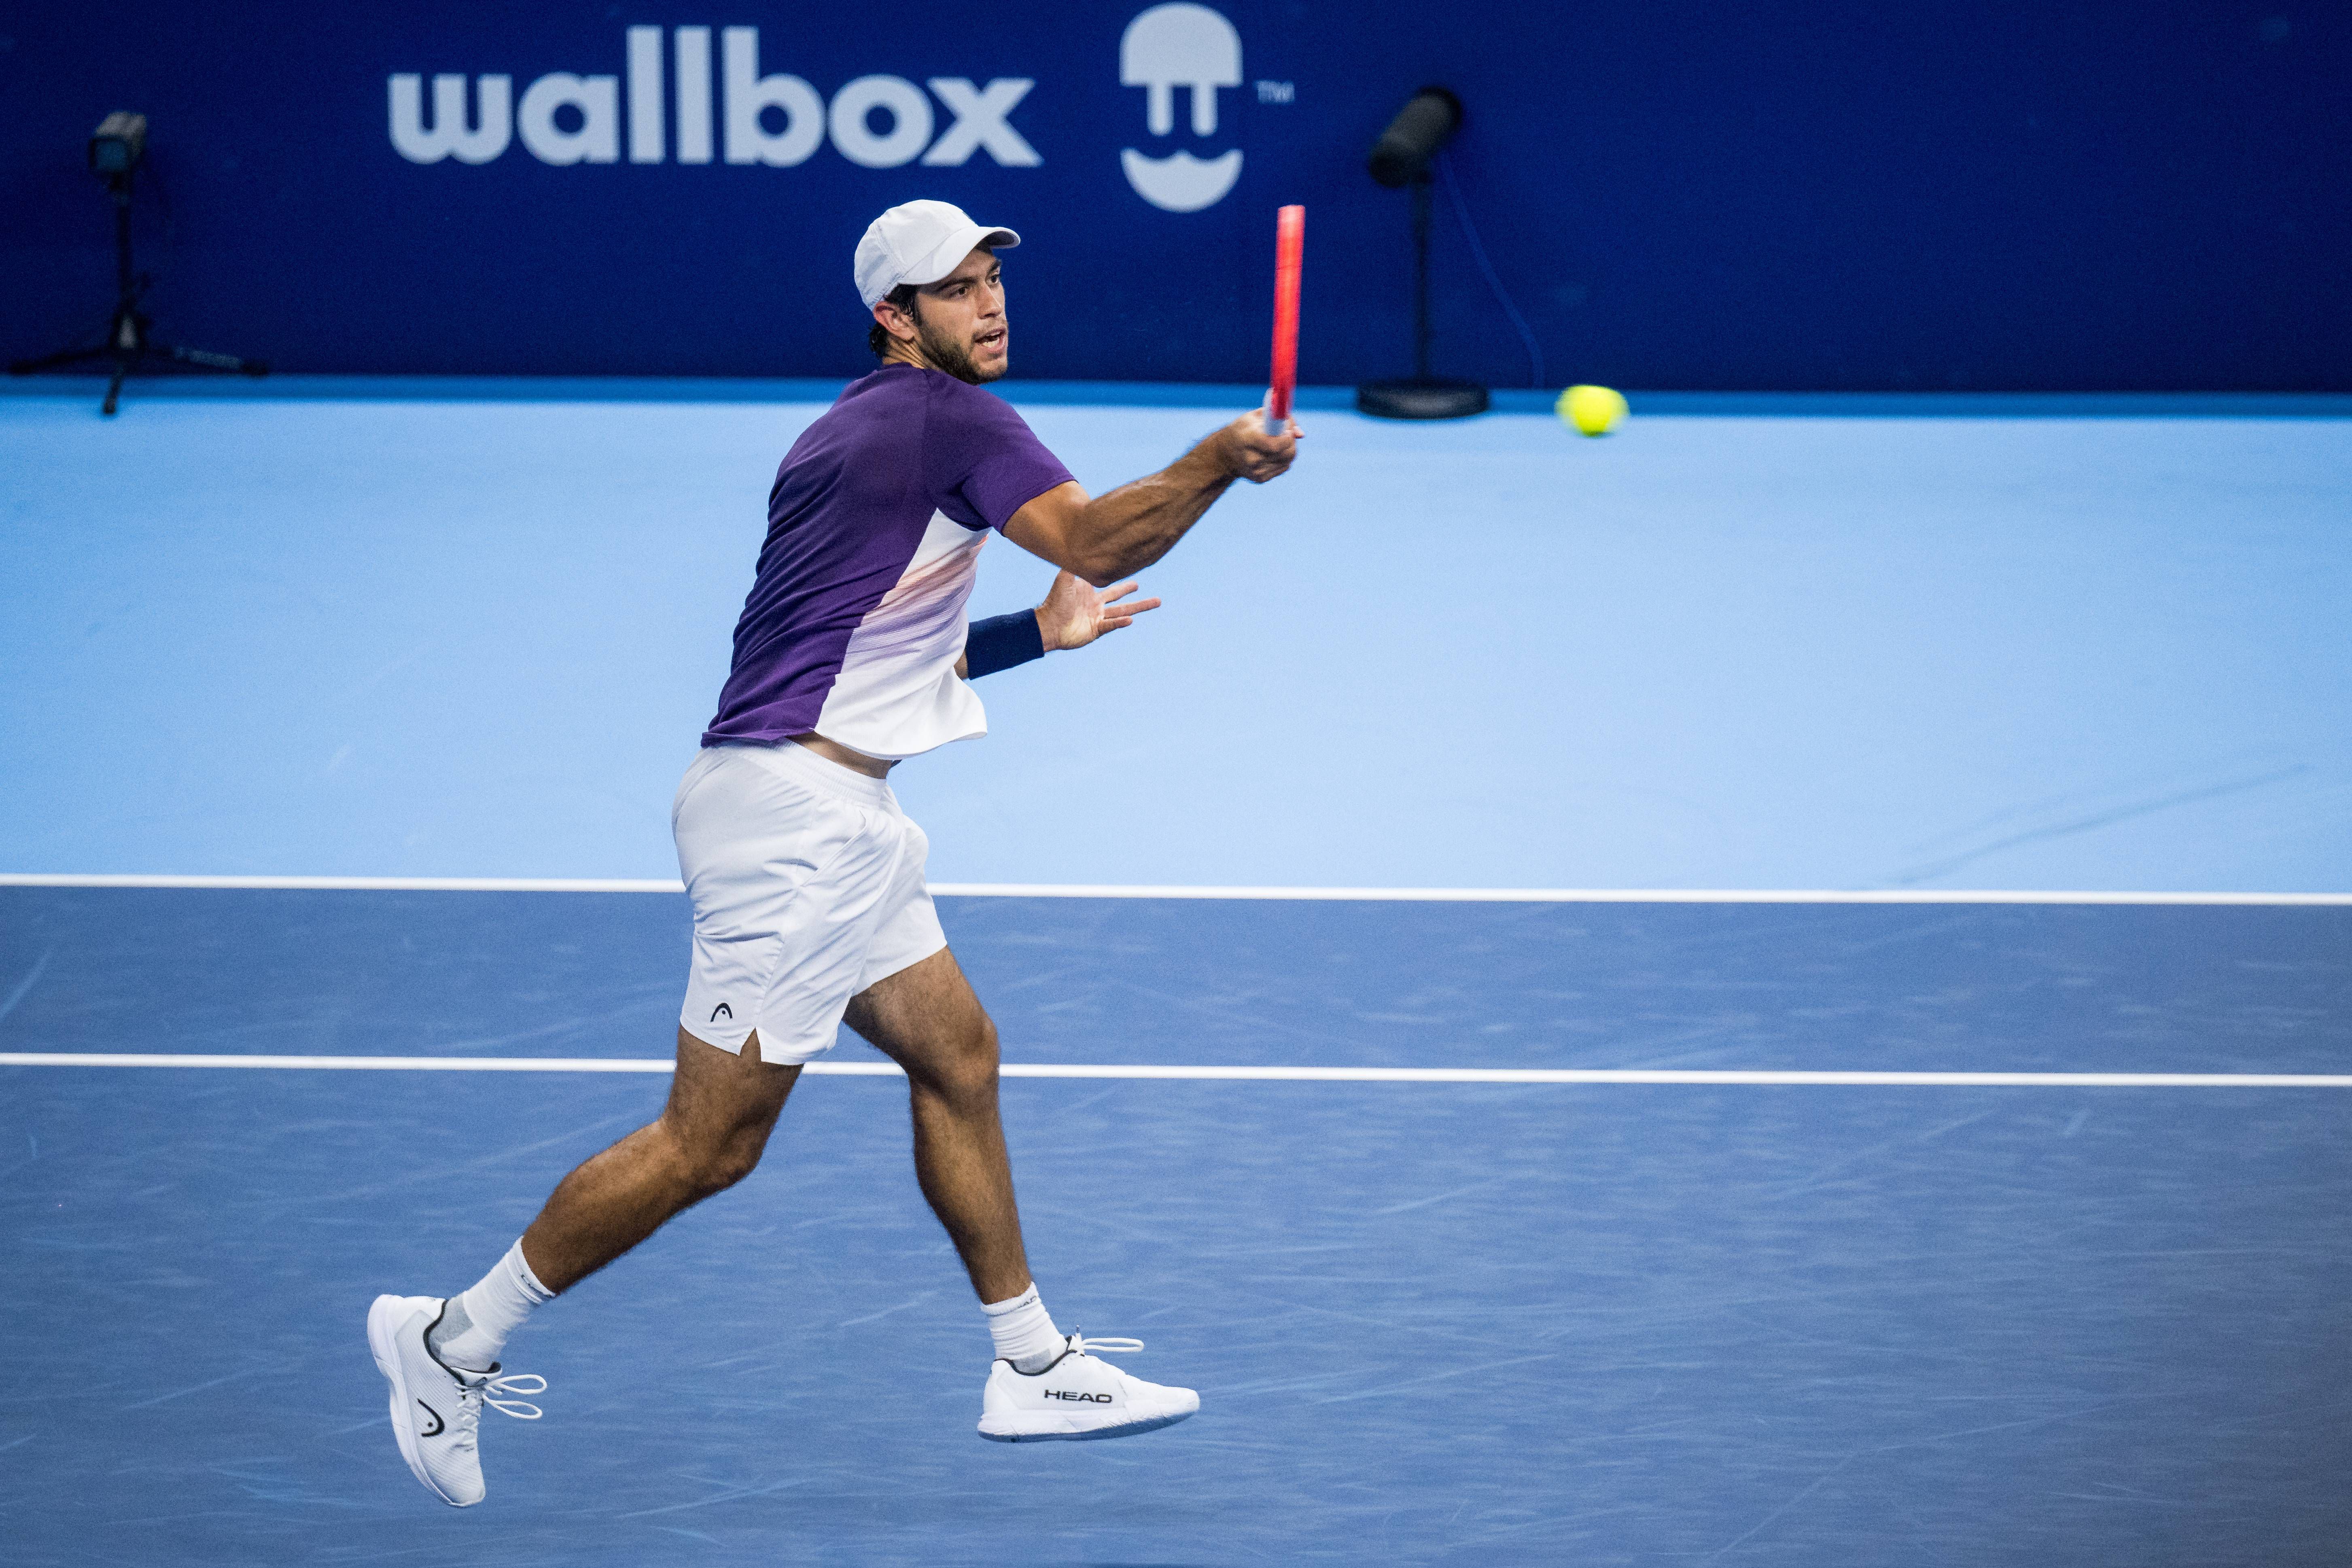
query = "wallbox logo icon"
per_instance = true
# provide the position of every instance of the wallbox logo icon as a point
(779, 121)
(1193, 50)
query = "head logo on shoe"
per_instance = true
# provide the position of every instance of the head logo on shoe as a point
(436, 1432)
(1082, 1398)
(722, 1007)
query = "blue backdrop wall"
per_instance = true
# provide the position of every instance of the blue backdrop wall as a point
(1690, 193)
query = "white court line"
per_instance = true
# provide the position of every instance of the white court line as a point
(347, 884)
(1129, 890)
(1618, 895)
(1240, 1074)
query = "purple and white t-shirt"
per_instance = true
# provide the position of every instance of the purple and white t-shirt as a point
(855, 623)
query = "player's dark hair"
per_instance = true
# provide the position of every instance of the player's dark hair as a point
(903, 297)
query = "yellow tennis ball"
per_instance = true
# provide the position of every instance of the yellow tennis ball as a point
(1595, 410)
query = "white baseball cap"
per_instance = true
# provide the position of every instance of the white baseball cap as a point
(919, 242)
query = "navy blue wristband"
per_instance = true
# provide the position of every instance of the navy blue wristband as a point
(1000, 642)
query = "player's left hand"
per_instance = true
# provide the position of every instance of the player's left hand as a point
(1075, 612)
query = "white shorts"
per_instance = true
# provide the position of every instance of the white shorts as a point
(807, 886)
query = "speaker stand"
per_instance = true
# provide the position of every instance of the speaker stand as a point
(1424, 396)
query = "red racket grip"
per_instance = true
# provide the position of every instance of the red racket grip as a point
(1289, 253)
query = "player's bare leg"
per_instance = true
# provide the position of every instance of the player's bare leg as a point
(1041, 1385)
(440, 1356)
(709, 1136)
(926, 1019)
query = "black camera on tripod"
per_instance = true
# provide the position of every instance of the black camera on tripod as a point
(116, 149)
(117, 144)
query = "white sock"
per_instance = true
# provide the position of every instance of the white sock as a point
(1024, 1330)
(474, 1327)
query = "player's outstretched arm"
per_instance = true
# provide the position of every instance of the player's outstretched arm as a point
(1107, 537)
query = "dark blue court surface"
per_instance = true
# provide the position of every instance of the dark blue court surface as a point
(1429, 1322)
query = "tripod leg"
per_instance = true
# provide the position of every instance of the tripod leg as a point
(114, 388)
(51, 362)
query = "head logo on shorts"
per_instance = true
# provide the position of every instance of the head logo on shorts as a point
(722, 1007)
(1165, 49)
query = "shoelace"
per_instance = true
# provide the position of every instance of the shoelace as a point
(489, 1390)
(1081, 1346)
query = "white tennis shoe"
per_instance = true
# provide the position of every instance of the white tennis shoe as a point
(436, 1409)
(1077, 1397)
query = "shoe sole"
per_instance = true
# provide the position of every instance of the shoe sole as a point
(1067, 1434)
(385, 1316)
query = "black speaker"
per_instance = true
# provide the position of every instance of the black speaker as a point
(1402, 157)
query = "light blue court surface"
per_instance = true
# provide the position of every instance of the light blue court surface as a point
(402, 636)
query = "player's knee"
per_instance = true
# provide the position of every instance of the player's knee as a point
(967, 1069)
(713, 1163)
(722, 1168)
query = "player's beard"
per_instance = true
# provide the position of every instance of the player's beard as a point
(947, 354)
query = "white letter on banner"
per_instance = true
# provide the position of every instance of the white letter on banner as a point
(693, 48)
(910, 121)
(749, 92)
(980, 122)
(449, 136)
(644, 95)
(598, 100)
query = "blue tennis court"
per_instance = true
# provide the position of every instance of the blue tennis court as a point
(1754, 744)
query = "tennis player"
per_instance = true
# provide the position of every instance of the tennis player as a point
(806, 879)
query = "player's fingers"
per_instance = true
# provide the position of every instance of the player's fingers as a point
(1258, 430)
(1136, 609)
(1111, 595)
